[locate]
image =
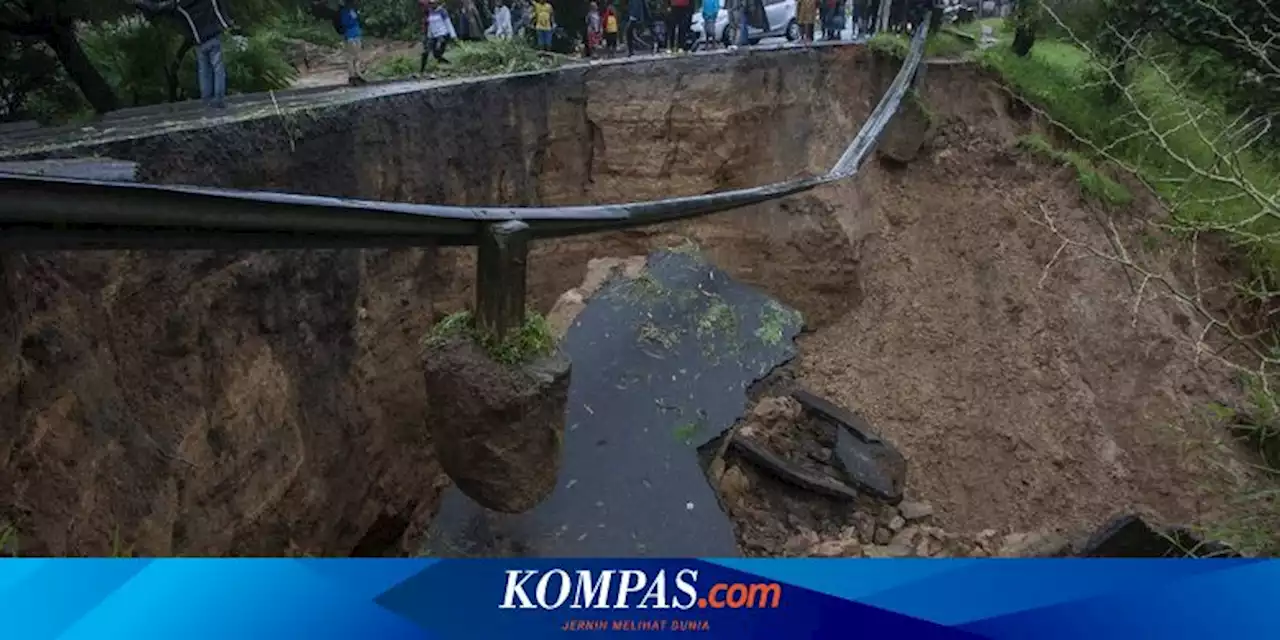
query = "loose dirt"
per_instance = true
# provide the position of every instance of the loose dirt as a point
(1029, 400)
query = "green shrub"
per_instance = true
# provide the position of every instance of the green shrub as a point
(137, 58)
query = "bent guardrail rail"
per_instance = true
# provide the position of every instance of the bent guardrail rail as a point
(39, 212)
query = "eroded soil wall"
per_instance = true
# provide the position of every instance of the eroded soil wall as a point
(271, 402)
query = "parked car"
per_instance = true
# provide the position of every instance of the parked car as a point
(782, 23)
(721, 27)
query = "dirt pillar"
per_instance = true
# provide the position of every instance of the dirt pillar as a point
(497, 428)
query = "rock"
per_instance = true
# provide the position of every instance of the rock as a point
(907, 537)
(1038, 544)
(734, 483)
(897, 523)
(913, 511)
(837, 549)
(927, 547)
(883, 536)
(907, 133)
(498, 429)
(865, 523)
(986, 538)
(800, 543)
(776, 411)
(886, 551)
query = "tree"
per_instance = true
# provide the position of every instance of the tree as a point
(54, 23)
(59, 26)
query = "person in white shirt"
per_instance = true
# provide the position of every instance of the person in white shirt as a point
(501, 27)
(437, 31)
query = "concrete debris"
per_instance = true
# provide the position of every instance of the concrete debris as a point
(1037, 544)
(914, 511)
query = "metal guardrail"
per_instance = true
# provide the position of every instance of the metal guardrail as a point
(38, 212)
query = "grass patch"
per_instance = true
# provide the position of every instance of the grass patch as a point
(1093, 182)
(398, 66)
(686, 432)
(1063, 80)
(975, 28)
(532, 340)
(718, 319)
(939, 45)
(774, 320)
(467, 59)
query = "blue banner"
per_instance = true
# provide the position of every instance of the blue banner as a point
(731, 598)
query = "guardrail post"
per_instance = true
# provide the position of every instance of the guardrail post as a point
(500, 277)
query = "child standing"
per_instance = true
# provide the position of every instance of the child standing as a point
(437, 31)
(595, 30)
(710, 11)
(543, 23)
(611, 28)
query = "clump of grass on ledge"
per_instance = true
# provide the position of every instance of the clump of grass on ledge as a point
(939, 45)
(1093, 182)
(532, 340)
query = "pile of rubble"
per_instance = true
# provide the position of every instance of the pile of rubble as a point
(802, 478)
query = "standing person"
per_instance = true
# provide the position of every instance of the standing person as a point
(679, 20)
(349, 18)
(543, 23)
(638, 21)
(204, 23)
(595, 28)
(437, 31)
(710, 11)
(501, 27)
(806, 16)
(611, 28)
(833, 23)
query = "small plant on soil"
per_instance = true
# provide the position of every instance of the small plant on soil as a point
(1093, 182)
(532, 340)
(9, 540)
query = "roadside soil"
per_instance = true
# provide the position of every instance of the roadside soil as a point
(1032, 399)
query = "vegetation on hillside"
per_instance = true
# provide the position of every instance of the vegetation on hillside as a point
(1182, 95)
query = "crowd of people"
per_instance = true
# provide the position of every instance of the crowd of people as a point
(664, 23)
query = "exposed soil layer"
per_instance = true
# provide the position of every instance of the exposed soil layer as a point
(1029, 397)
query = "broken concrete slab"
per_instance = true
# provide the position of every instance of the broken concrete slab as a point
(870, 464)
(661, 366)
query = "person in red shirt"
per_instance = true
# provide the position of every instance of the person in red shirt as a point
(679, 23)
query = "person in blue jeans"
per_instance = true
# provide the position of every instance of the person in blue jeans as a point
(204, 21)
(349, 19)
